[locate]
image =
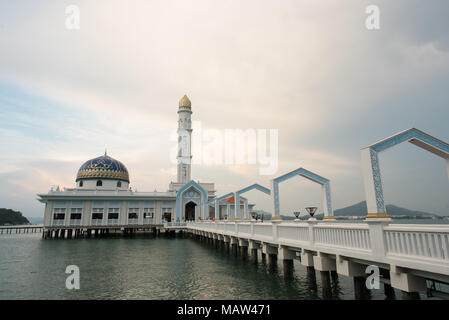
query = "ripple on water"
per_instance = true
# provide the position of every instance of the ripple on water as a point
(146, 268)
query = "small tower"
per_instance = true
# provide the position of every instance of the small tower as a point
(184, 140)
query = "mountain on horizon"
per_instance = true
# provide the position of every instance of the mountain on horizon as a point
(11, 217)
(360, 210)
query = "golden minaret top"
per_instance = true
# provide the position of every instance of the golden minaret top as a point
(185, 102)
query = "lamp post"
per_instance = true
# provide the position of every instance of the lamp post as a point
(253, 215)
(311, 211)
(297, 213)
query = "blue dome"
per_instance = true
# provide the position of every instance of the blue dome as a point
(103, 167)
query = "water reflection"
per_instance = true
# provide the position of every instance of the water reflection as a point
(157, 268)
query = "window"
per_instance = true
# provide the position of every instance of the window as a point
(99, 183)
(113, 213)
(119, 184)
(148, 212)
(81, 183)
(133, 213)
(97, 213)
(59, 214)
(75, 213)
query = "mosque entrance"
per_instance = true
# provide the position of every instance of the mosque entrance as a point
(190, 211)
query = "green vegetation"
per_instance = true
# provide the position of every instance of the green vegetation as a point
(11, 217)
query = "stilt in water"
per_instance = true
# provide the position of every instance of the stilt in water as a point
(311, 279)
(254, 255)
(326, 284)
(360, 290)
(288, 268)
(272, 262)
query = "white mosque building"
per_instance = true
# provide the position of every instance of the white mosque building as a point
(102, 197)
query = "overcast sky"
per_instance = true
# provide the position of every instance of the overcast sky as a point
(307, 68)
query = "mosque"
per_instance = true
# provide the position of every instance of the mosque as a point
(102, 196)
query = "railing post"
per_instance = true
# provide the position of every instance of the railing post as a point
(377, 236)
(312, 223)
(274, 225)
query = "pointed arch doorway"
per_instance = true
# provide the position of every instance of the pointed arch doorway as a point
(190, 211)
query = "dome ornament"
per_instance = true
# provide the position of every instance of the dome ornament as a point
(185, 102)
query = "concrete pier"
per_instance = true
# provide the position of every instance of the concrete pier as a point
(311, 279)
(360, 290)
(326, 284)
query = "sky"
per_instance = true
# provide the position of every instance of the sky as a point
(309, 69)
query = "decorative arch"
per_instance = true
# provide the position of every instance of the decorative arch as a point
(180, 197)
(325, 187)
(217, 205)
(242, 191)
(371, 169)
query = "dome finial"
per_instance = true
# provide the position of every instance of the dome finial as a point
(185, 102)
(105, 152)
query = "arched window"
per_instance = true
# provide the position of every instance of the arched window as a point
(99, 183)
(81, 183)
(119, 184)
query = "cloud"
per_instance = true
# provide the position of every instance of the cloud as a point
(309, 69)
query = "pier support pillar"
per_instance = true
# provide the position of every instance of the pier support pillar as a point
(388, 289)
(243, 245)
(272, 253)
(287, 257)
(326, 284)
(349, 268)
(252, 245)
(311, 278)
(307, 258)
(325, 264)
(409, 284)
(360, 289)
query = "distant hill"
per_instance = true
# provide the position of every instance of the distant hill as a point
(360, 209)
(11, 217)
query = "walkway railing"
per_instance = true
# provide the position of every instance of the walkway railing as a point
(169, 225)
(421, 247)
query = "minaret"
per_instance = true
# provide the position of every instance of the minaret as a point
(184, 140)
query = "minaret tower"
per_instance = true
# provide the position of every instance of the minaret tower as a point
(184, 140)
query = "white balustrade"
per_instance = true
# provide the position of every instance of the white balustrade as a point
(112, 222)
(147, 220)
(354, 236)
(97, 222)
(75, 222)
(418, 241)
(294, 232)
(422, 247)
(58, 222)
(132, 220)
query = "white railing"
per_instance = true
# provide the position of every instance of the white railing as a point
(75, 222)
(112, 222)
(422, 247)
(174, 224)
(294, 232)
(132, 220)
(346, 236)
(58, 222)
(413, 241)
(97, 222)
(147, 220)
